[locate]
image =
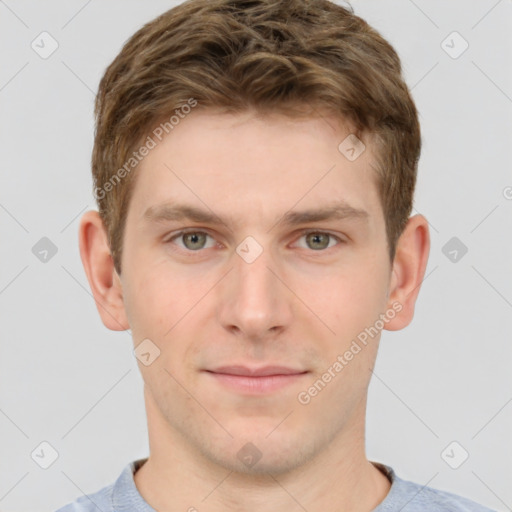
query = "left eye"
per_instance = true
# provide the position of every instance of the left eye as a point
(319, 240)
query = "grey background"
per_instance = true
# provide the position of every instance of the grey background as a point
(67, 380)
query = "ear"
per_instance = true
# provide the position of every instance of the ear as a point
(101, 274)
(408, 270)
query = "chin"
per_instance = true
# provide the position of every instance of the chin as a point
(258, 454)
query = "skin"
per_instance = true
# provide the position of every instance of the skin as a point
(301, 303)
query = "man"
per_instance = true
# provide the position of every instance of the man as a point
(254, 165)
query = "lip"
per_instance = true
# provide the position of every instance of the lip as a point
(263, 371)
(254, 381)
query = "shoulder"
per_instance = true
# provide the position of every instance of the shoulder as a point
(428, 498)
(100, 500)
(120, 496)
(413, 497)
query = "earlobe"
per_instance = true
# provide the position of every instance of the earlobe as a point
(408, 271)
(99, 267)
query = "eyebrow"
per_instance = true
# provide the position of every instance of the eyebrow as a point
(175, 211)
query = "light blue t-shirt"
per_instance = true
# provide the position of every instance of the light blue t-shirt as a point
(404, 496)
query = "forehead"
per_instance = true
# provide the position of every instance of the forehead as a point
(247, 165)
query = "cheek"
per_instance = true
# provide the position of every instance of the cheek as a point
(152, 304)
(357, 293)
(164, 305)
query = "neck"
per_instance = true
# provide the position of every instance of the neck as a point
(178, 477)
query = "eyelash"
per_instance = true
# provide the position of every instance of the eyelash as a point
(303, 233)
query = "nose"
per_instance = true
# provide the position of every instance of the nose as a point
(254, 302)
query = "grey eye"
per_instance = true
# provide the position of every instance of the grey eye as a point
(317, 241)
(194, 241)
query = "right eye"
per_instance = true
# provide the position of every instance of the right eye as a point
(192, 241)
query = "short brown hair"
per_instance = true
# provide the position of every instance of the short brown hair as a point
(270, 55)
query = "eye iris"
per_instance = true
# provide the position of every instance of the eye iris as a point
(315, 237)
(197, 240)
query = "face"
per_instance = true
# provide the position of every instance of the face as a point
(254, 255)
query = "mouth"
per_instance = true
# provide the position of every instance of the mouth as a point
(254, 381)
